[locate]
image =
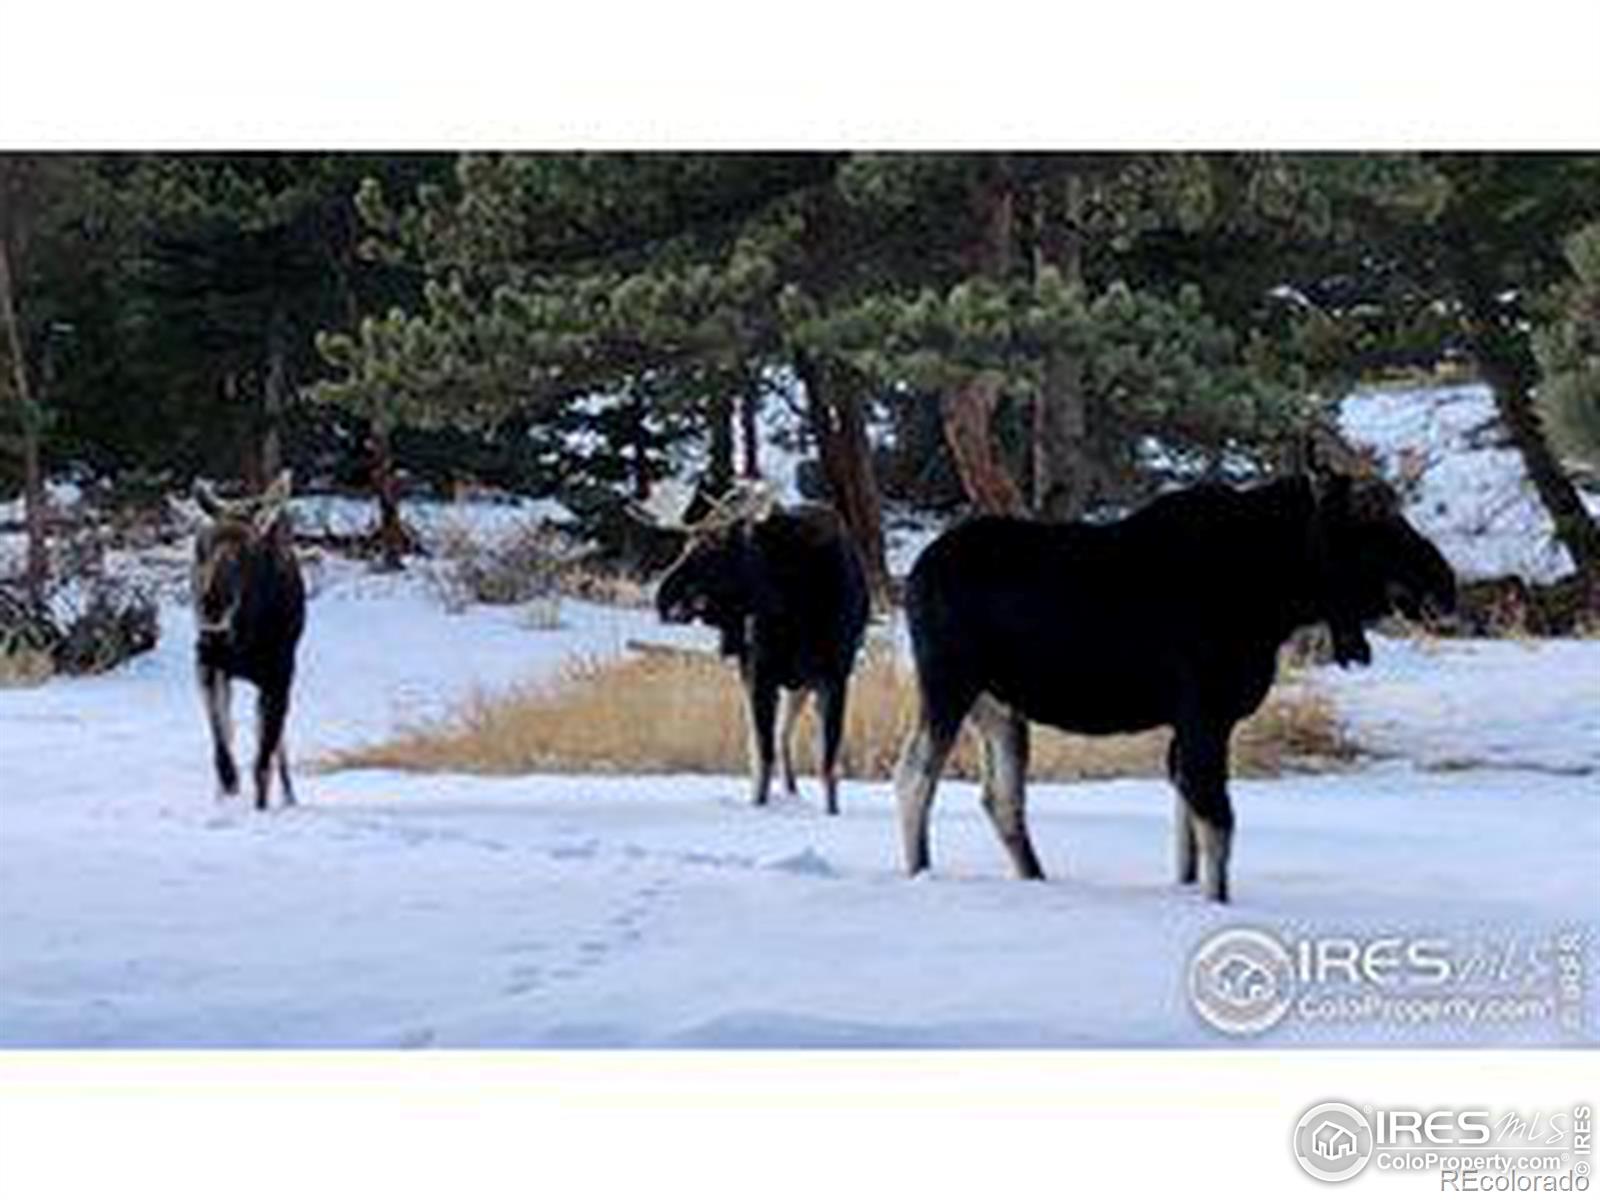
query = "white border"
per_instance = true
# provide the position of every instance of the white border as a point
(1360, 74)
(730, 73)
(744, 1125)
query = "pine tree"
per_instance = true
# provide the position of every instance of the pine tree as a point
(556, 278)
(1568, 350)
(985, 281)
(1468, 273)
(40, 204)
(196, 341)
(1024, 292)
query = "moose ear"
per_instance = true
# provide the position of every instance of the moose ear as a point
(1326, 453)
(763, 503)
(269, 507)
(265, 518)
(1311, 461)
(206, 499)
(1317, 455)
(279, 491)
(1330, 463)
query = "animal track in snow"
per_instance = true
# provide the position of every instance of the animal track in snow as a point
(594, 949)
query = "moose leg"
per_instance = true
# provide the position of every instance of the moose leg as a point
(1183, 820)
(272, 710)
(1204, 757)
(763, 697)
(283, 773)
(1005, 779)
(791, 704)
(217, 691)
(832, 704)
(915, 778)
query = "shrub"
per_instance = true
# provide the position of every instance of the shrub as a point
(513, 568)
(110, 623)
(87, 623)
(533, 565)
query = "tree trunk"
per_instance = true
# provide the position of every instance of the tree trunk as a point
(995, 208)
(1499, 342)
(639, 450)
(968, 409)
(719, 471)
(274, 395)
(244, 424)
(37, 565)
(967, 412)
(837, 418)
(1510, 373)
(393, 541)
(750, 431)
(1061, 468)
(36, 571)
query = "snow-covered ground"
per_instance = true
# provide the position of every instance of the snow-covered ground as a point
(395, 910)
(1451, 705)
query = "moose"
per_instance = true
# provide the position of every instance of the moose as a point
(250, 608)
(786, 590)
(1170, 616)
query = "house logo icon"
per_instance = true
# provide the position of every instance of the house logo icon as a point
(1333, 1141)
(1241, 981)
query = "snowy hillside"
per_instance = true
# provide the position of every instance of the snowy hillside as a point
(395, 910)
(1463, 482)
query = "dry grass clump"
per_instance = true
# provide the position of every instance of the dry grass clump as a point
(676, 711)
(25, 666)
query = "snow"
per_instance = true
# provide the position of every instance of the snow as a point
(433, 520)
(906, 535)
(1447, 705)
(481, 519)
(409, 911)
(784, 441)
(1463, 482)
(60, 495)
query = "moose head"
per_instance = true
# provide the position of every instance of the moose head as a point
(227, 552)
(714, 577)
(1367, 560)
